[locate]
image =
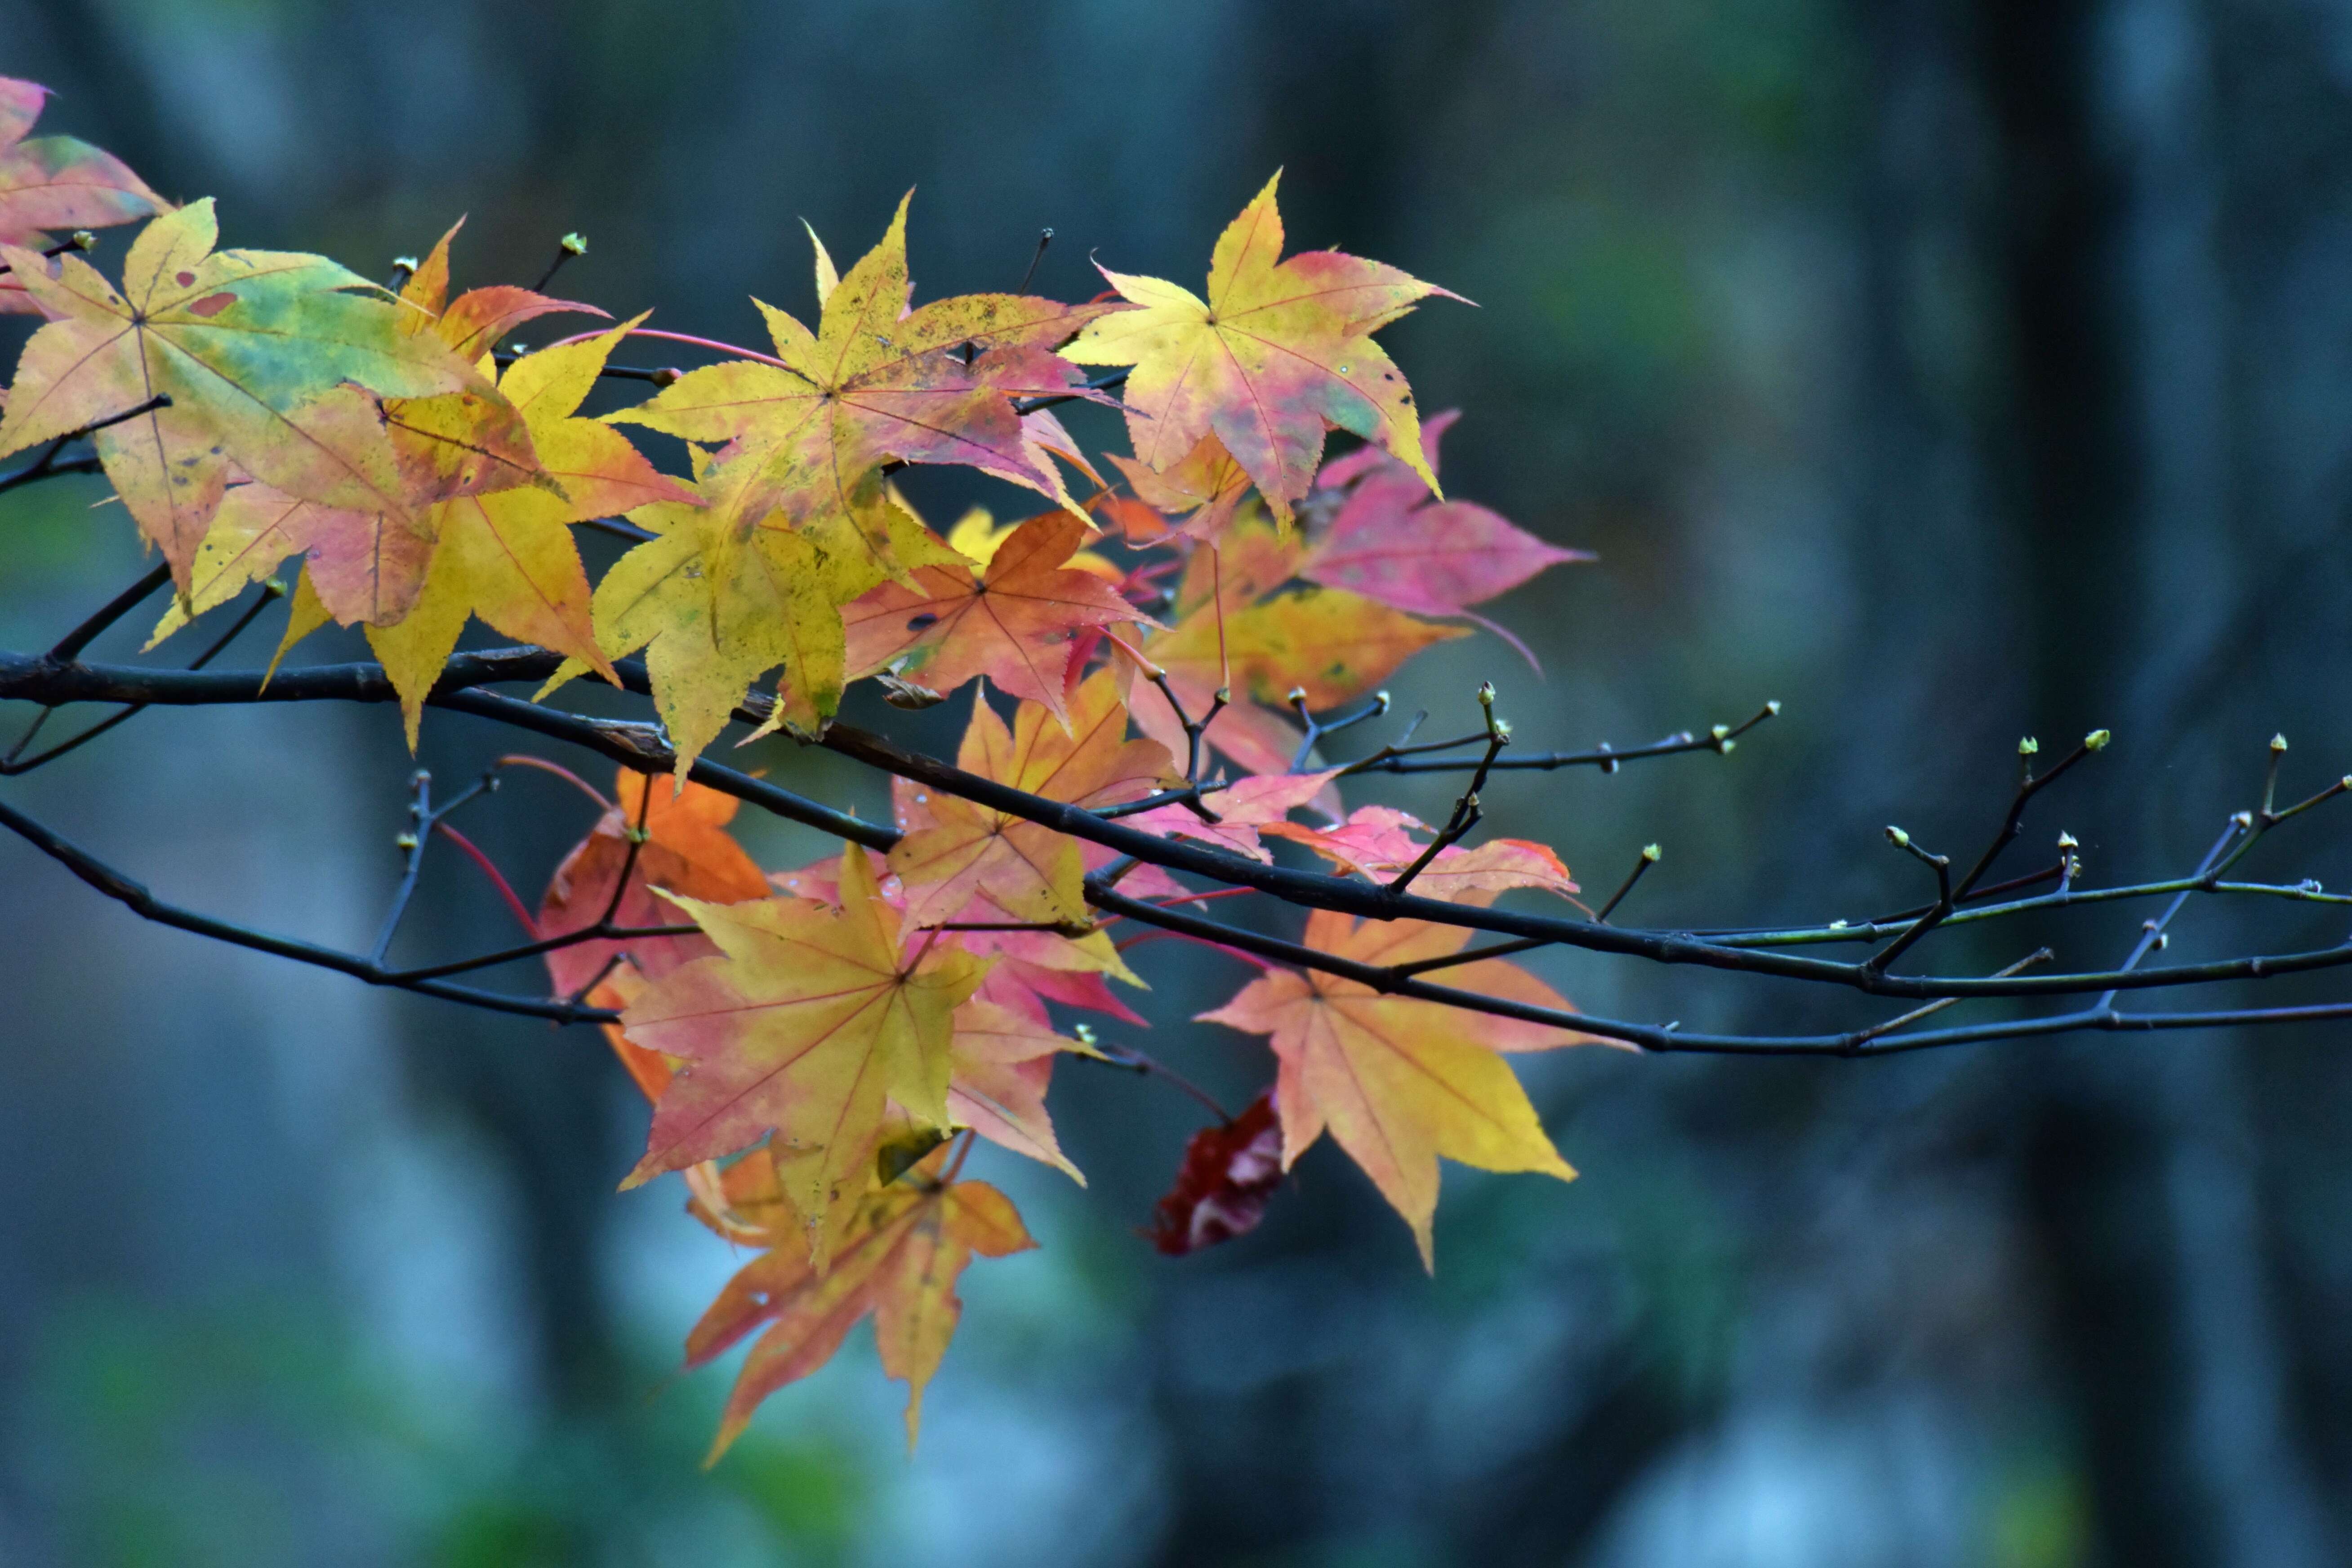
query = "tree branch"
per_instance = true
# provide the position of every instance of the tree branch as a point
(641, 747)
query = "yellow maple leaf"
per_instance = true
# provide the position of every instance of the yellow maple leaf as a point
(1399, 1081)
(508, 557)
(806, 1026)
(709, 635)
(1277, 353)
(875, 381)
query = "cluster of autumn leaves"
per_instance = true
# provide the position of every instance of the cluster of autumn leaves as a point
(816, 1041)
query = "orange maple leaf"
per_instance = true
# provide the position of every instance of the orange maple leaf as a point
(686, 850)
(904, 1252)
(1028, 870)
(1396, 1080)
(1011, 621)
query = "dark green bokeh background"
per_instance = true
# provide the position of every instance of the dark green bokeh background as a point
(1949, 371)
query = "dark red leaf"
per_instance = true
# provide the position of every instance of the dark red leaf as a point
(1228, 1175)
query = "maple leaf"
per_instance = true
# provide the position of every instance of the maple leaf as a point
(368, 565)
(650, 1070)
(1229, 1174)
(508, 556)
(1277, 353)
(264, 354)
(1207, 486)
(1028, 870)
(1376, 842)
(905, 1251)
(1000, 1063)
(1026, 968)
(1389, 539)
(709, 635)
(56, 182)
(1233, 630)
(875, 382)
(1012, 621)
(685, 849)
(810, 1020)
(468, 442)
(1396, 1080)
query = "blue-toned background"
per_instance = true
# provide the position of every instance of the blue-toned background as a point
(1949, 371)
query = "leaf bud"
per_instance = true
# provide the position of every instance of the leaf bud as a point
(2096, 741)
(2067, 841)
(404, 841)
(575, 244)
(1502, 729)
(1897, 837)
(2242, 819)
(404, 263)
(1649, 854)
(83, 239)
(2028, 747)
(2278, 744)
(1224, 694)
(1837, 925)
(274, 586)
(1721, 732)
(1773, 708)
(1297, 695)
(1487, 694)
(1379, 701)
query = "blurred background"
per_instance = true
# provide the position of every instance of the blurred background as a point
(1951, 373)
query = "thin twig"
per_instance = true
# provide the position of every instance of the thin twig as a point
(1466, 812)
(1403, 759)
(1145, 1065)
(571, 246)
(1649, 858)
